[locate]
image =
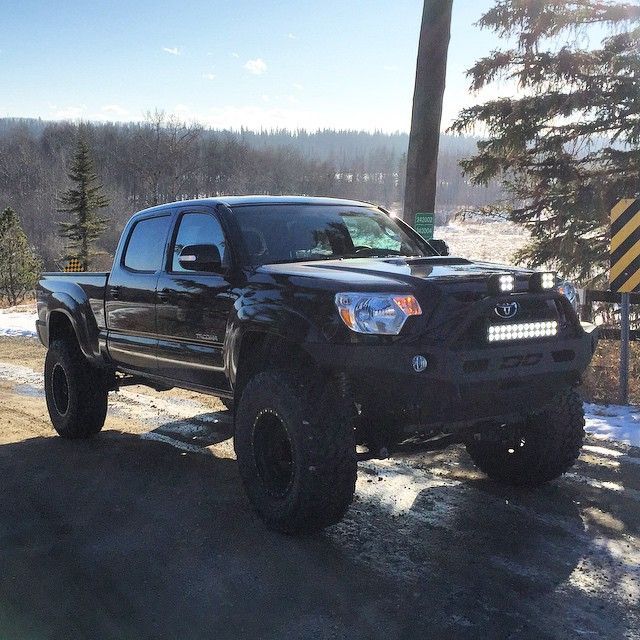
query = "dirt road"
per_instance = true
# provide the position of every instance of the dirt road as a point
(144, 532)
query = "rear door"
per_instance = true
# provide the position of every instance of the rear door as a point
(193, 307)
(130, 301)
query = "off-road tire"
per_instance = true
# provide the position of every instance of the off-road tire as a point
(322, 473)
(79, 412)
(542, 448)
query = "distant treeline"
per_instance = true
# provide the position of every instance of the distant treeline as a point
(163, 159)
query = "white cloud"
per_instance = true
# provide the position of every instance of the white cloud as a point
(209, 76)
(174, 51)
(115, 110)
(72, 112)
(256, 66)
(297, 86)
(267, 111)
(292, 36)
(235, 54)
(108, 112)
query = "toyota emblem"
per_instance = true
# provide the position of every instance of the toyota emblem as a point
(506, 310)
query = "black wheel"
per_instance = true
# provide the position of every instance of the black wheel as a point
(296, 451)
(76, 392)
(540, 449)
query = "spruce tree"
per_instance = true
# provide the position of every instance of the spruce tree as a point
(19, 265)
(567, 145)
(82, 200)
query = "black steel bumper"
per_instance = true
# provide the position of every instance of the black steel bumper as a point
(460, 386)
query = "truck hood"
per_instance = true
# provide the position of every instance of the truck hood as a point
(378, 272)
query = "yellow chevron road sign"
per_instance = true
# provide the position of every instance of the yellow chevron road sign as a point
(624, 276)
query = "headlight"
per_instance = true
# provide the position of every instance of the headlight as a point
(383, 313)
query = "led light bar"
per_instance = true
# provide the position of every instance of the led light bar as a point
(522, 331)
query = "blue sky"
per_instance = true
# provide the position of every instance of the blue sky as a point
(288, 63)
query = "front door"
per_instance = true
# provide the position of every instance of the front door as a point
(193, 307)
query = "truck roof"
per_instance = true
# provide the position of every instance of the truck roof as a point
(239, 201)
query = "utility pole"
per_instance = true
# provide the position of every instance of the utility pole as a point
(424, 139)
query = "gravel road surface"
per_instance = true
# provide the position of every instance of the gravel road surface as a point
(145, 532)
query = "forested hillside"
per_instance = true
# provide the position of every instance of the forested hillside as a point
(163, 159)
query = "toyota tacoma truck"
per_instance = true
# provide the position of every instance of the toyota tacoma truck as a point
(333, 331)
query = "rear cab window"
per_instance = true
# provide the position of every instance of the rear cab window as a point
(146, 244)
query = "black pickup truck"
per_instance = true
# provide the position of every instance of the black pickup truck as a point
(333, 331)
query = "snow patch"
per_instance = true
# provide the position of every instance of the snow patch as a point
(18, 321)
(614, 422)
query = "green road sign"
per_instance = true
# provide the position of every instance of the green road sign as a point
(424, 225)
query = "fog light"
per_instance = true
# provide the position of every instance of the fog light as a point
(419, 363)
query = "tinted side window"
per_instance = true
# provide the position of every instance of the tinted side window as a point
(198, 228)
(146, 244)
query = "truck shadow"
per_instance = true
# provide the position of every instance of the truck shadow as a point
(120, 537)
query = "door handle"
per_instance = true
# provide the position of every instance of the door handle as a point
(163, 297)
(114, 292)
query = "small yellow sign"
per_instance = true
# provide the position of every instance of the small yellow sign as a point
(74, 266)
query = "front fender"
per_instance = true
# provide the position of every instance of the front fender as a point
(268, 319)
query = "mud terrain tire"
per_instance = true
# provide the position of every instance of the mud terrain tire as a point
(75, 391)
(545, 446)
(296, 451)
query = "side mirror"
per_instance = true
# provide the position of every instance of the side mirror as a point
(440, 246)
(200, 257)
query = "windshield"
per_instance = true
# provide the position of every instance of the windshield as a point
(296, 233)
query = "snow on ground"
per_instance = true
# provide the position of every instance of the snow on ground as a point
(18, 321)
(614, 422)
(492, 241)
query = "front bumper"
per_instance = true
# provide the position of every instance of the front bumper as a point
(459, 387)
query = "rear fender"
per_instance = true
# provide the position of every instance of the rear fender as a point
(77, 310)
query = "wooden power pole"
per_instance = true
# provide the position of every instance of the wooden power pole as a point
(424, 139)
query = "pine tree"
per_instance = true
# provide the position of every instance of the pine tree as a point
(19, 265)
(83, 201)
(567, 146)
